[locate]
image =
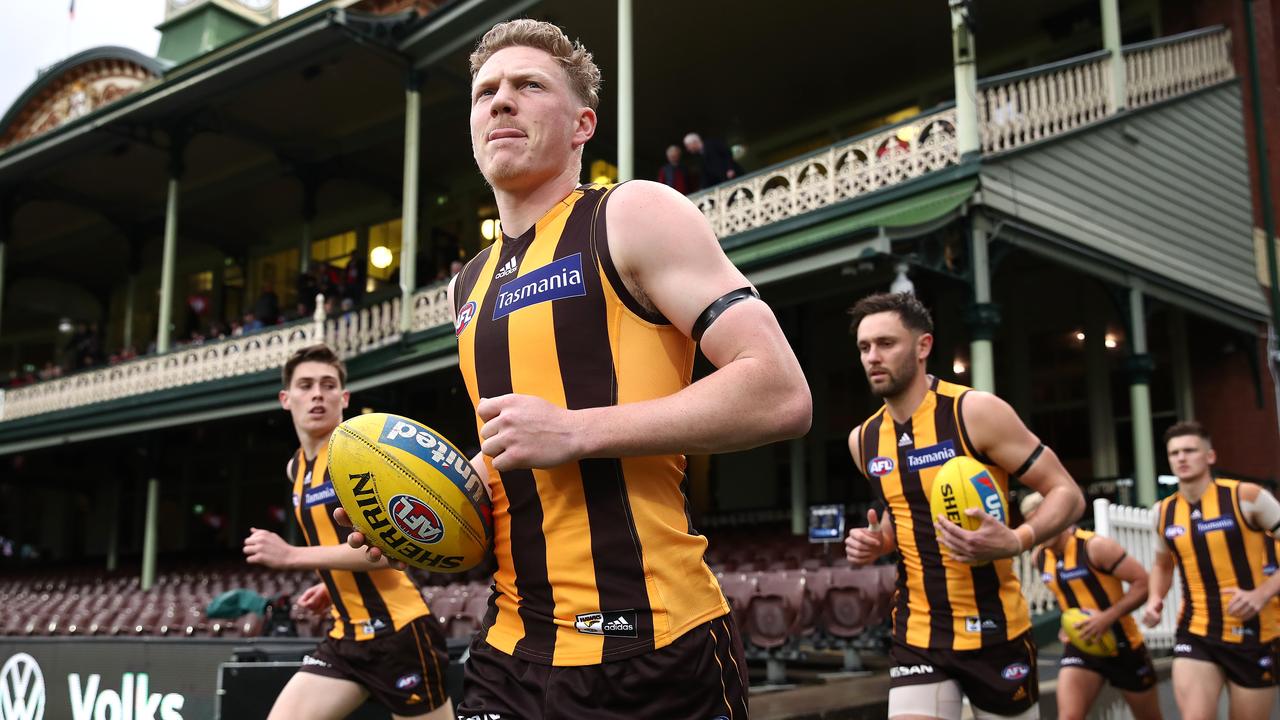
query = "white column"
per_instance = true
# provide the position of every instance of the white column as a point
(626, 96)
(982, 319)
(409, 204)
(799, 494)
(1111, 40)
(151, 528)
(166, 265)
(1144, 470)
(966, 71)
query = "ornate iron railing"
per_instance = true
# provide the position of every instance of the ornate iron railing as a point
(841, 172)
(350, 334)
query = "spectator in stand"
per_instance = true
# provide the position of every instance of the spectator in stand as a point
(353, 277)
(673, 174)
(713, 158)
(307, 289)
(267, 308)
(330, 281)
(251, 323)
(455, 267)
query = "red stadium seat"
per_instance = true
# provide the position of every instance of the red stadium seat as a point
(774, 612)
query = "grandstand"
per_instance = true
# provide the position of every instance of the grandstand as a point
(1084, 223)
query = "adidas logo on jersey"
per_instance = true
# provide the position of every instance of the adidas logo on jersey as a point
(905, 440)
(620, 623)
(1195, 514)
(506, 269)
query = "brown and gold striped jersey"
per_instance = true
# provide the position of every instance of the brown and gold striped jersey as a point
(941, 603)
(365, 604)
(596, 559)
(1217, 551)
(1077, 583)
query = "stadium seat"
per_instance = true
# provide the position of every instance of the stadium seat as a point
(774, 611)
(849, 601)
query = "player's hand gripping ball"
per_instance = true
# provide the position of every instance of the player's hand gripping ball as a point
(1103, 646)
(964, 483)
(411, 492)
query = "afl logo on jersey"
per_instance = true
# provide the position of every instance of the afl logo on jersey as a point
(464, 318)
(880, 466)
(415, 519)
(1174, 531)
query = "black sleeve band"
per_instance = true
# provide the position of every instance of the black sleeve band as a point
(1031, 460)
(717, 308)
(1111, 570)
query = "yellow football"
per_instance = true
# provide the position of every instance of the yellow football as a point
(411, 492)
(964, 483)
(1104, 646)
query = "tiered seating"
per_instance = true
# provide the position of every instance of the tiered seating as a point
(789, 595)
(90, 602)
(459, 607)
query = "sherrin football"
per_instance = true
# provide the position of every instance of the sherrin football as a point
(964, 483)
(411, 492)
(1104, 646)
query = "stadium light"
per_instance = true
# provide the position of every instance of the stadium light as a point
(380, 257)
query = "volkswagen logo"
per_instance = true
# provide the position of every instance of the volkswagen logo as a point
(21, 689)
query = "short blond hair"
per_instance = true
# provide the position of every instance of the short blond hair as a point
(584, 76)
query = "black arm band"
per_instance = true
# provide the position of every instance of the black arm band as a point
(1111, 570)
(717, 308)
(1031, 460)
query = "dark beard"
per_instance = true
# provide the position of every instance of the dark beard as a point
(899, 381)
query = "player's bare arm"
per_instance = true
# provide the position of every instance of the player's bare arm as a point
(865, 545)
(264, 547)
(997, 432)
(670, 259)
(1108, 556)
(1261, 511)
(1161, 576)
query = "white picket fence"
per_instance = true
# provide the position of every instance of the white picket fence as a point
(1131, 527)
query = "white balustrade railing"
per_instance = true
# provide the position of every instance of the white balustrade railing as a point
(1024, 107)
(349, 334)
(1013, 110)
(1132, 528)
(1176, 65)
(841, 172)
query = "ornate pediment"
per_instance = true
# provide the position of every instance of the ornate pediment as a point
(74, 89)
